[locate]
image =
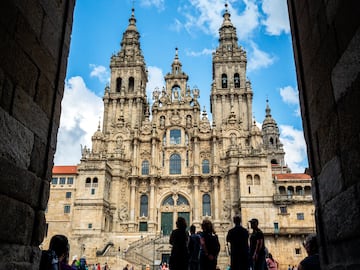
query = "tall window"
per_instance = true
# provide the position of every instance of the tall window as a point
(256, 179)
(175, 136)
(54, 181)
(70, 180)
(88, 182)
(236, 80)
(205, 166)
(68, 195)
(249, 179)
(62, 180)
(66, 209)
(131, 84)
(145, 167)
(144, 206)
(163, 159)
(224, 81)
(118, 84)
(206, 205)
(175, 164)
(283, 210)
(95, 182)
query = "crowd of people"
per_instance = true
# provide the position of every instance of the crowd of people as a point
(195, 251)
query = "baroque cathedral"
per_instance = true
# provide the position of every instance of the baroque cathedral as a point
(149, 165)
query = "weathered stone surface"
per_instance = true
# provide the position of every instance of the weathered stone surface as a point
(19, 184)
(16, 140)
(331, 170)
(30, 114)
(17, 221)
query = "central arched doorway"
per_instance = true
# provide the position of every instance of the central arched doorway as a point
(172, 207)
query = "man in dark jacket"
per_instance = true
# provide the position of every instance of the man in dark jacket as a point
(239, 246)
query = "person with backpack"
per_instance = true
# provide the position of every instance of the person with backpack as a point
(194, 249)
(57, 256)
(210, 246)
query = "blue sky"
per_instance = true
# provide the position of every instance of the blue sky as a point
(192, 26)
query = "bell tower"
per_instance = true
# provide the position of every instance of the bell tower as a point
(231, 93)
(125, 98)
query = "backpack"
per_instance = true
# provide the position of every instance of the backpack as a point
(49, 260)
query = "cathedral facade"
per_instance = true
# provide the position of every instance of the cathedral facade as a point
(150, 164)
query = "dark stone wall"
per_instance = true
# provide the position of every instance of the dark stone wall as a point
(34, 47)
(326, 41)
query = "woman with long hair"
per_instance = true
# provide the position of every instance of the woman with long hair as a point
(179, 257)
(210, 246)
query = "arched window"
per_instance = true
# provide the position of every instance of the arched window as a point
(181, 200)
(95, 182)
(236, 80)
(168, 201)
(205, 166)
(144, 206)
(145, 167)
(131, 84)
(118, 84)
(175, 164)
(206, 205)
(256, 179)
(290, 190)
(271, 140)
(224, 80)
(307, 190)
(299, 190)
(249, 180)
(282, 190)
(175, 136)
(88, 182)
(274, 161)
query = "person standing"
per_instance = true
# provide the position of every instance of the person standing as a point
(210, 246)
(57, 256)
(238, 238)
(312, 261)
(194, 249)
(179, 258)
(257, 246)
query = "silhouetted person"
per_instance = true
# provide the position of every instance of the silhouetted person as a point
(312, 261)
(257, 246)
(210, 246)
(57, 256)
(194, 249)
(238, 238)
(179, 257)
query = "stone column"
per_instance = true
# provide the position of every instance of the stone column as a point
(132, 199)
(216, 197)
(196, 200)
(152, 206)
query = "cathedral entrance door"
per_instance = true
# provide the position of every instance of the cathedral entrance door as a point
(166, 222)
(185, 215)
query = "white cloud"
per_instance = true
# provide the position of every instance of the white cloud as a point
(258, 59)
(294, 147)
(100, 72)
(205, 51)
(277, 20)
(159, 4)
(290, 96)
(156, 79)
(80, 114)
(209, 17)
